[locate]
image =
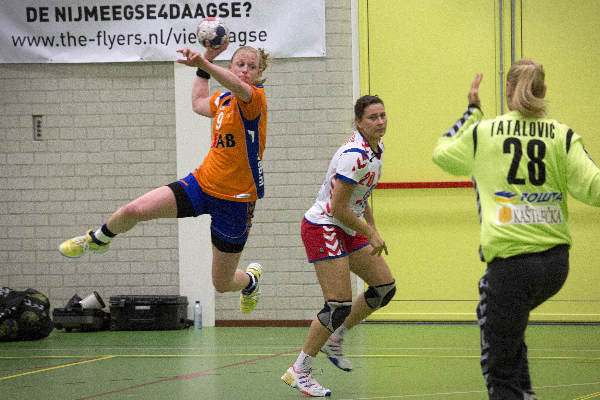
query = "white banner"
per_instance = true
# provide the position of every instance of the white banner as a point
(63, 31)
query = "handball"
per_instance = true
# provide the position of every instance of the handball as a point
(214, 30)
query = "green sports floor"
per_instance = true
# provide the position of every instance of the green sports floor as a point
(391, 361)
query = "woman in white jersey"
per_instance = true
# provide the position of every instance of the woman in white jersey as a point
(338, 241)
(522, 165)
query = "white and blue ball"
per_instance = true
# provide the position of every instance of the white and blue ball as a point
(214, 30)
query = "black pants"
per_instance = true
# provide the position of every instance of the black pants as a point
(509, 290)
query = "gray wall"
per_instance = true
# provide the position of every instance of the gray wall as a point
(109, 136)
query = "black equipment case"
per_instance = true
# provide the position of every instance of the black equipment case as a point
(147, 312)
(82, 319)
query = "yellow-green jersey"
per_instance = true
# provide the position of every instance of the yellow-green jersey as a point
(522, 169)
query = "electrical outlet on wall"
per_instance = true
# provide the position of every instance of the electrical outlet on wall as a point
(37, 127)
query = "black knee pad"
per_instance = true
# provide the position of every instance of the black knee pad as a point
(379, 296)
(334, 313)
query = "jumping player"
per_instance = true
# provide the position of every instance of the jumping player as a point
(522, 165)
(227, 183)
(338, 241)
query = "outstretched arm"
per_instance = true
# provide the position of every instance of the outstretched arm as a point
(240, 89)
(455, 151)
(200, 89)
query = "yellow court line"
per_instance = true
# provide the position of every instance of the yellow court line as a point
(198, 355)
(405, 356)
(349, 355)
(270, 354)
(57, 367)
(36, 357)
(588, 396)
(564, 358)
(464, 356)
(144, 356)
(150, 356)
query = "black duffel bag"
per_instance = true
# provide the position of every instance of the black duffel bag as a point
(24, 315)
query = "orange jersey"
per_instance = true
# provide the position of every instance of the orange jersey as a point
(232, 169)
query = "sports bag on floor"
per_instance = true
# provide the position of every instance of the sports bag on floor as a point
(24, 315)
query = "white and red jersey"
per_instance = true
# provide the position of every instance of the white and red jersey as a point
(356, 163)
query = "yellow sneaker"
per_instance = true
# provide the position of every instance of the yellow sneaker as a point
(79, 245)
(248, 301)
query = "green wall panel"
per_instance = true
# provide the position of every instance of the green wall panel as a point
(432, 236)
(420, 57)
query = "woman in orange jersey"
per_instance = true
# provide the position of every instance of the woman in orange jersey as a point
(227, 183)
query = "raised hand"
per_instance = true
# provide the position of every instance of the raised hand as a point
(196, 59)
(210, 53)
(192, 58)
(474, 91)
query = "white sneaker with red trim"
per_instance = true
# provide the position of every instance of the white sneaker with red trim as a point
(305, 383)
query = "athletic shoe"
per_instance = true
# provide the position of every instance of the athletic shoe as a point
(333, 350)
(305, 383)
(248, 300)
(79, 245)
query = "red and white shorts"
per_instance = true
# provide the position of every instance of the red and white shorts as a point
(323, 242)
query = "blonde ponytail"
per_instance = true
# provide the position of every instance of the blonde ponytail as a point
(527, 81)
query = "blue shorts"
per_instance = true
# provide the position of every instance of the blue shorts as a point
(230, 220)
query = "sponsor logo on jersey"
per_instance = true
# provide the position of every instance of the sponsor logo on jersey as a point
(224, 140)
(541, 197)
(527, 215)
(504, 196)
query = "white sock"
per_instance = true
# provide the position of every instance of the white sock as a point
(303, 363)
(103, 234)
(338, 334)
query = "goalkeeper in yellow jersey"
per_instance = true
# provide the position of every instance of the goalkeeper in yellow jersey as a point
(523, 164)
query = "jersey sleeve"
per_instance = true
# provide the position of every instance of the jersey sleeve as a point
(352, 166)
(253, 108)
(214, 102)
(455, 150)
(583, 182)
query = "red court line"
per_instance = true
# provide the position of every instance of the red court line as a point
(424, 185)
(188, 376)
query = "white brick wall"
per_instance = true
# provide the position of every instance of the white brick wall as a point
(109, 136)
